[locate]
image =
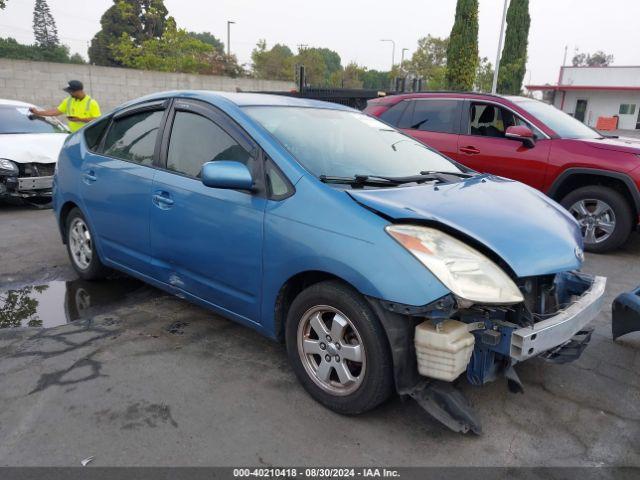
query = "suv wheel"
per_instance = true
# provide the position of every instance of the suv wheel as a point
(603, 214)
(338, 349)
(82, 249)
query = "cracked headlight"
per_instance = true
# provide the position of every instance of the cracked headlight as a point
(465, 271)
(8, 165)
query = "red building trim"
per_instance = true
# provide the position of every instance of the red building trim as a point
(583, 87)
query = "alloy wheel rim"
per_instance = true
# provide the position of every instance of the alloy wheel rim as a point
(80, 243)
(331, 350)
(596, 218)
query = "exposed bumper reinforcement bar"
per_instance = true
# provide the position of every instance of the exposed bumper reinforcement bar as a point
(547, 334)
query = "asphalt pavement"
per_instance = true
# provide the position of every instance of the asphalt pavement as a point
(142, 378)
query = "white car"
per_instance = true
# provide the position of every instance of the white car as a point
(29, 148)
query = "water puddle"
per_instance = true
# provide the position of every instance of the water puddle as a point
(59, 302)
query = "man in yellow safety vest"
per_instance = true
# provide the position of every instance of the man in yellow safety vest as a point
(78, 107)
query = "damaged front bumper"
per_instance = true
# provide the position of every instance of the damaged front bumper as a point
(527, 342)
(502, 337)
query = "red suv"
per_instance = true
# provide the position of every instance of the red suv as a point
(595, 178)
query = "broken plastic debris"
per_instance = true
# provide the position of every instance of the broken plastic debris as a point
(87, 460)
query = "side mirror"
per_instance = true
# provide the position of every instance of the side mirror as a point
(521, 133)
(226, 174)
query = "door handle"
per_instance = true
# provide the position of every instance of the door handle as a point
(89, 177)
(162, 199)
(470, 150)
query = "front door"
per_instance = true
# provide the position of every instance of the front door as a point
(206, 241)
(581, 109)
(116, 183)
(484, 147)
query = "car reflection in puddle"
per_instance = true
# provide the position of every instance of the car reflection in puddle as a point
(59, 302)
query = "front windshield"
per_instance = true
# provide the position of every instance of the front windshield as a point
(564, 125)
(338, 143)
(18, 120)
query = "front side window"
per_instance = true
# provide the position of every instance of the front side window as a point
(133, 138)
(435, 116)
(196, 140)
(392, 115)
(564, 125)
(489, 120)
(345, 143)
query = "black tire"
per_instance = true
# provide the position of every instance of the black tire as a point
(95, 270)
(377, 381)
(619, 205)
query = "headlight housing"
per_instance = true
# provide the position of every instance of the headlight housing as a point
(468, 273)
(8, 165)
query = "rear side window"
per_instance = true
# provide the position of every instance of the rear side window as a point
(133, 137)
(196, 140)
(93, 133)
(392, 115)
(435, 116)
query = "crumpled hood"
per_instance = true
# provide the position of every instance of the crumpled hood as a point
(31, 147)
(531, 233)
(622, 144)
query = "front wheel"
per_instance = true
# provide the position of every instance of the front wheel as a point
(82, 249)
(338, 349)
(604, 215)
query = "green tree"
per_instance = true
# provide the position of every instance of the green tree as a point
(274, 64)
(209, 39)
(10, 48)
(175, 51)
(315, 67)
(3, 3)
(484, 76)
(597, 59)
(351, 76)
(44, 25)
(462, 51)
(429, 61)
(138, 20)
(514, 54)
(375, 80)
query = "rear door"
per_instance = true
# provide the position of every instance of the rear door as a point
(434, 121)
(116, 182)
(484, 147)
(207, 241)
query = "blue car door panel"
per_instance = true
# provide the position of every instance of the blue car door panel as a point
(116, 184)
(206, 241)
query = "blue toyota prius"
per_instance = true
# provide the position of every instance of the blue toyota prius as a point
(383, 265)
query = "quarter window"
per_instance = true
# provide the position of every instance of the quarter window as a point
(435, 116)
(133, 137)
(196, 140)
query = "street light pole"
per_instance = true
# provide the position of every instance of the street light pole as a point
(393, 52)
(494, 86)
(402, 56)
(229, 22)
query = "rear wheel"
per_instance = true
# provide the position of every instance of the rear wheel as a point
(604, 215)
(81, 247)
(338, 349)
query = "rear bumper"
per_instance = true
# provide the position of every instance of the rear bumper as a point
(527, 342)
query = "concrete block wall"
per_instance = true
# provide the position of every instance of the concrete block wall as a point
(41, 82)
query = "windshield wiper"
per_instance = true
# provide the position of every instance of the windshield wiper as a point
(358, 180)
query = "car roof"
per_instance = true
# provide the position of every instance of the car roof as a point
(448, 94)
(239, 99)
(14, 103)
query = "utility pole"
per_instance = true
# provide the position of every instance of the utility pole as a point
(564, 60)
(494, 86)
(393, 51)
(229, 23)
(302, 46)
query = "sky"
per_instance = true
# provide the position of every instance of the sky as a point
(354, 28)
